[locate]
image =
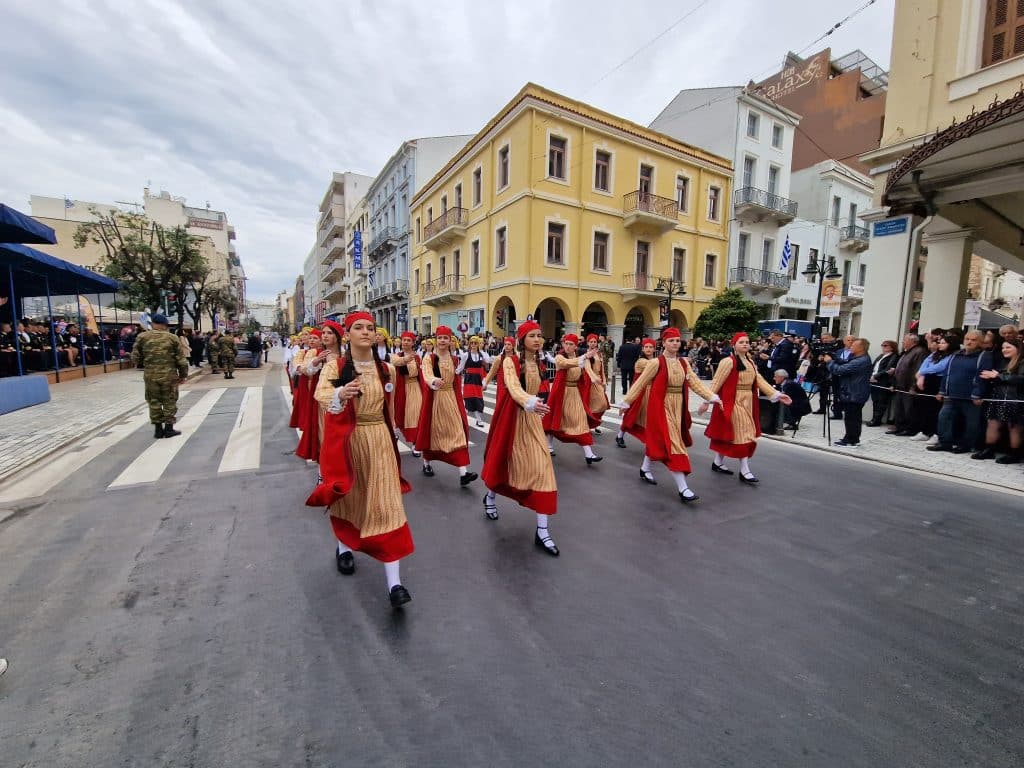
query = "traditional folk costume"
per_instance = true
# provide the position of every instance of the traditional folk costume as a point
(443, 432)
(495, 373)
(570, 419)
(634, 422)
(736, 425)
(474, 368)
(516, 459)
(408, 392)
(595, 371)
(667, 429)
(309, 414)
(362, 485)
(298, 401)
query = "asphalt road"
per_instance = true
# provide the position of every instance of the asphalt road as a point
(840, 614)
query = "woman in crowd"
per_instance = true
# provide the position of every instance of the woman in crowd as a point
(635, 418)
(362, 485)
(508, 350)
(300, 397)
(443, 432)
(735, 425)
(598, 398)
(882, 382)
(382, 343)
(1006, 382)
(516, 459)
(322, 370)
(667, 429)
(474, 368)
(312, 417)
(929, 380)
(408, 392)
(570, 419)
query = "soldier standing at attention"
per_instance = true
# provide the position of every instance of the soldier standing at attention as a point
(226, 352)
(164, 367)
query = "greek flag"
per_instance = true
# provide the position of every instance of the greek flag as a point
(787, 254)
(369, 278)
(68, 203)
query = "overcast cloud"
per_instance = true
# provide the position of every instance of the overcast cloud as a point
(251, 105)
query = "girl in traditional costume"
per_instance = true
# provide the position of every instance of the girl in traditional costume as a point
(736, 425)
(570, 419)
(309, 413)
(362, 485)
(634, 420)
(516, 459)
(595, 370)
(508, 350)
(474, 368)
(443, 431)
(408, 392)
(667, 429)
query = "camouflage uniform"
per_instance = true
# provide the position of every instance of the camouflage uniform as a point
(226, 353)
(163, 361)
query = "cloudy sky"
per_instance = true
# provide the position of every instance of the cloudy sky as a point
(251, 104)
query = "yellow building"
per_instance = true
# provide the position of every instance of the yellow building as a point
(558, 210)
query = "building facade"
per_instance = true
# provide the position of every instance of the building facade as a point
(949, 174)
(758, 136)
(558, 211)
(328, 293)
(357, 278)
(387, 241)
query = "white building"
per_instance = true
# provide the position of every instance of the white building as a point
(343, 192)
(757, 135)
(306, 304)
(386, 245)
(355, 280)
(263, 312)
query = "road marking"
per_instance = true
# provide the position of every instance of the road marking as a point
(243, 448)
(152, 462)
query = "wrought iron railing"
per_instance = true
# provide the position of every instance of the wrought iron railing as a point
(648, 203)
(641, 281)
(853, 232)
(383, 239)
(765, 199)
(451, 218)
(759, 277)
(443, 285)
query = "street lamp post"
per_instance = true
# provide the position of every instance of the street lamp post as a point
(825, 269)
(671, 288)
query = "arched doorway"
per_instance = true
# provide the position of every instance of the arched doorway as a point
(551, 314)
(504, 316)
(678, 320)
(638, 320)
(595, 319)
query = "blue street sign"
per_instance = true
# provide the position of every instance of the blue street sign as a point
(889, 227)
(357, 250)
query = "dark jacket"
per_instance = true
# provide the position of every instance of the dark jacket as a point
(961, 380)
(883, 378)
(801, 406)
(627, 356)
(784, 355)
(854, 377)
(906, 368)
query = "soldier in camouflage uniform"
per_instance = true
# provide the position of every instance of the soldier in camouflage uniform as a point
(226, 354)
(164, 365)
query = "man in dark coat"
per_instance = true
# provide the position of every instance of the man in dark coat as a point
(903, 380)
(784, 354)
(852, 377)
(789, 415)
(626, 359)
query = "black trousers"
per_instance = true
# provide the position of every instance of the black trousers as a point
(852, 418)
(627, 379)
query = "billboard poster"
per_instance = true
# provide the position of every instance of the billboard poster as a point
(831, 297)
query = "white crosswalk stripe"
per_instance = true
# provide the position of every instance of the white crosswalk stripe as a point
(243, 448)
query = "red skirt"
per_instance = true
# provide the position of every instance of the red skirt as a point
(734, 450)
(585, 439)
(386, 547)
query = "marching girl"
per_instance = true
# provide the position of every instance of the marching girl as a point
(362, 485)
(474, 368)
(408, 394)
(736, 425)
(634, 420)
(569, 419)
(443, 431)
(667, 429)
(298, 358)
(321, 370)
(516, 459)
(595, 370)
(508, 350)
(382, 343)
(309, 414)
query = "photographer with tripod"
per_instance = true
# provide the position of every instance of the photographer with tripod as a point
(818, 372)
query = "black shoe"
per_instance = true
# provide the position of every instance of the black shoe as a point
(467, 478)
(417, 454)
(620, 441)
(688, 499)
(428, 470)
(593, 459)
(547, 543)
(939, 447)
(597, 430)
(399, 596)
(720, 470)
(491, 510)
(872, 423)
(1007, 459)
(819, 413)
(844, 443)
(748, 479)
(833, 417)
(984, 454)
(646, 479)
(226, 376)
(159, 431)
(346, 562)
(170, 431)
(961, 449)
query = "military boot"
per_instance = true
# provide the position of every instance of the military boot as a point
(159, 431)
(170, 431)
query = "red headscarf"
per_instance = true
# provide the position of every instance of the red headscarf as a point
(408, 335)
(510, 340)
(352, 317)
(442, 330)
(338, 330)
(525, 328)
(645, 342)
(316, 332)
(671, 333)
(571, 337)
(592, 337)
(739, 335)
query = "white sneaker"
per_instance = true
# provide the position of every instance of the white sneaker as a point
(920, 437)
(933, 440)
(3, 666)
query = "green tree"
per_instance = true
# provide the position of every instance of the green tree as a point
(151, 261)
(729, 312)
(220, 298)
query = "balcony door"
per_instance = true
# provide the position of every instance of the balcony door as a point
(749, 171)
(646, 182)
(643, 263)
(443, 267)
(457, 259)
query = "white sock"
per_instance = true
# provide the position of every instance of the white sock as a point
(745, 467)
(551, 442)
(646, 466)
(719, 459)
(588, 452)
(620, 434)
(680, 478)
(542, 525)
(426, 463)
(462, 471)
(391, 571)
(490, 497)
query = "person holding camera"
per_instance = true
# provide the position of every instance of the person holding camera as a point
(853, 376)
(818, 371)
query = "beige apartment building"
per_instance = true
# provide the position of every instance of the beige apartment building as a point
(949, 173)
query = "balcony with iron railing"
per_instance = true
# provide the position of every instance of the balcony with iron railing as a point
(637, 284)
(642, 210)
(854, 238)
(389, 291)
(335, 270)
(444, 290)
(447, 227)
(760, 280)
(334, 247)
(754, 205)
(385, 241)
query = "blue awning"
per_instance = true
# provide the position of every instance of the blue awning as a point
(65, 278)
(16, 227)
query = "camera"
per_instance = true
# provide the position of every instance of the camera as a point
(820, 348)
